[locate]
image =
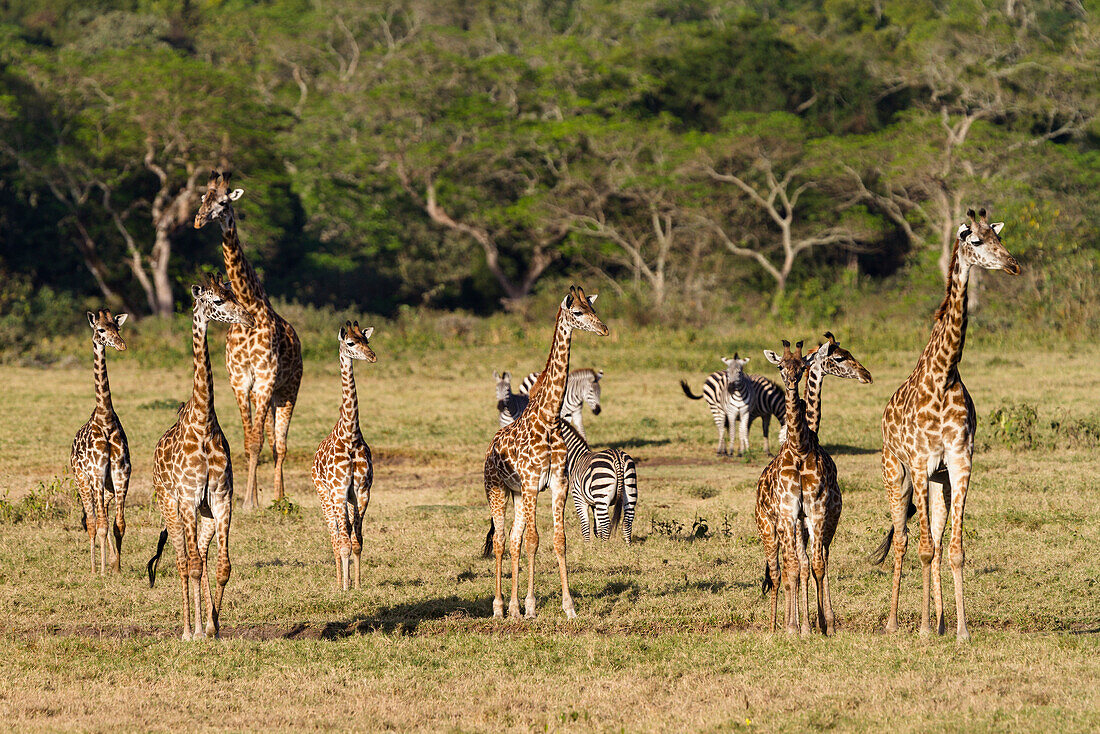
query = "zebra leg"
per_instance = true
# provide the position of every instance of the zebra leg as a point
(720, 420)
(744, 431)
(603, 517)
(582, 512)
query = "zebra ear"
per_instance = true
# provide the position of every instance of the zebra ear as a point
(496, 375)
(599, 374)
(745, 360)
(727, 361)
(772, 357)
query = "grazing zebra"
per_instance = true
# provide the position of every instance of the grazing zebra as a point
(582, 387)
(735, 398)
(509, 403)
(605, 481)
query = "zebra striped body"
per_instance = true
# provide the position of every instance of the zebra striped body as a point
(582, 387)
(736, 399)
(605, 481)
(509, 404)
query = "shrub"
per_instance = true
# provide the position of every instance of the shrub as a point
(1014, 425)
(51, 500)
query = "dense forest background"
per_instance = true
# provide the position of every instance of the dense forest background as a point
(694, 157)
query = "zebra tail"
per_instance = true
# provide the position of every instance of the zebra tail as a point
(884, 547)
(767, 583)
(152, 567)
(487, 551)
(620, 487)
(687, 391)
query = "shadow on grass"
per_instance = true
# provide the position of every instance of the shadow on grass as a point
(843, 449)
(633, 443)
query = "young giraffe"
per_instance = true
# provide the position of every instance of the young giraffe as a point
(928, 433)
(192, 471)
(265, 360)
(804, 477)
(100, 455)
(829, 359)
(342, 469)
(528, 455)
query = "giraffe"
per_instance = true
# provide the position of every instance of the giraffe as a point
(265, 360)
(829, 359)
(802, 477)
(100, 456)
(342, 469)
(528, 455)
(928, 433)
(193, 473)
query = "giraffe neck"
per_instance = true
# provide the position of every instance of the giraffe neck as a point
(944, 351)
(349, 405)
(103, 404)
(798, 433)
(202, 392)
(549, 390)
(815, 378)
(246, 286)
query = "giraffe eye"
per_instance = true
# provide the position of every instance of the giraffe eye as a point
(102, 330)
(219, 301)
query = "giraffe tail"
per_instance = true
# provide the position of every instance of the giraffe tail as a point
(152, 567)
(487, 551)
(767, 583)
(884, 547)
(687, 391)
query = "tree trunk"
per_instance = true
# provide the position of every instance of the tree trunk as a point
(162, 285)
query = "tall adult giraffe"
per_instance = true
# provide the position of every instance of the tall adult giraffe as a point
(100, 456)
(928, 432)
(264, 360)
(528, 455)
(192, 471)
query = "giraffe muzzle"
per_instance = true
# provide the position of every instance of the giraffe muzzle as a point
(1012, 267)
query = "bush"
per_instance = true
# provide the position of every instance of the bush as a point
(52, 500)
(1014, 425)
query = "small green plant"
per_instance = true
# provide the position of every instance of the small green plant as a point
(286, 508)
(161, 404)
(667, 528)
(1076, 432)
(1014, 425)
(702, 491)
(49, 500)
(699, 528)
(727, 526)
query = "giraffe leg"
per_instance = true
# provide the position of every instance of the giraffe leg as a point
(898, 492)
(938, 487)
(99, 491)
(85, 492)
(790, 574)
(346, 520)
(207, 529)
(919, 477)
(121, 481)
(497, 504)
(179, 542)
(284, 410)
(803, 579)
(221, 507)
(242, 391)
(262, 400)
(190, 520)
(362, 499)
(532, 542)
(959, 469)
(515, 547)
(558, 491)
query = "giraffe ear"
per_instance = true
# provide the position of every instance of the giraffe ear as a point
(772, 357)
(91, 318)
(825, 349)
(236, 194)
(367, 332)
(592, 299)
(196, 291)
(567, 302)
(121, 319)
(997, 227)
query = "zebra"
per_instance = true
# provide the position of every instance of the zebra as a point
(509, 403)
(605, 481)
(737, 399)
(582, 387)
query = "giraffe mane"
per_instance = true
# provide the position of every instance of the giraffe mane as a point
(950, 282)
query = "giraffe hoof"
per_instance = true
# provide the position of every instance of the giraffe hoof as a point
(530, 613)
(570, 614)
(962, 637)
(925, 632)
(212, 631)
(199, 635)
(186, 637)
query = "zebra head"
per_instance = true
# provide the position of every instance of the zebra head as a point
(837, 361)
(735, 368)
(980, 244)
(354, 344)
(592, 392)
(579, 313)
(504, 389)
(791, 364)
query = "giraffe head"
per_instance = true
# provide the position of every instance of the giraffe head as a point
(837, 361)
(105, 328)
(354, 344)
(980, 244)
(217, 201)
(579, 313)
(504, 388)
(214, 301)
(735, 368)
(791, 364)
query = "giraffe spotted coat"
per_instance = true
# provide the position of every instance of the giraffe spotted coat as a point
(100, 455)
(528, 455)
(342, 468)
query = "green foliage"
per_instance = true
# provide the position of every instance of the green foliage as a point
(285, 508)
(1014, 425)
(48, 501)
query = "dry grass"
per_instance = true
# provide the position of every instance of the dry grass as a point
(671, 632)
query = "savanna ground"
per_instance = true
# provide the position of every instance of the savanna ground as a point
(672, 631)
